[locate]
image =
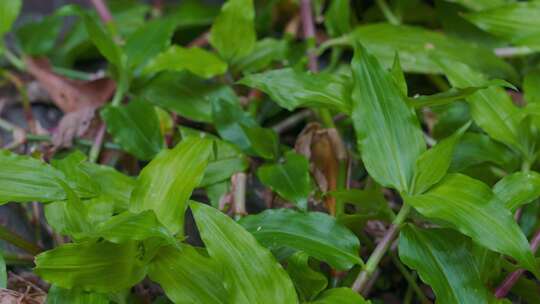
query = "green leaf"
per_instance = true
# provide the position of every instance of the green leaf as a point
(292, 89)
(233, 32)
(491, 108)
(184, 94)
(531, 86)
(518, 189)
(26, 179)
(238, 127)
(135, 127)
(39, 37)
(251, 274)
(264, 53)
(96, 266)
(480, 5)
(399, 76)
(418, 46)
(58, 295)
(454, 94)
(476, 148)
(443, 260)
(3, 272)
(71, 166)
(387, 131)
(195, 60)
(225, 160)
(103, 40)
(290, 179)
(338, 18)
(9, 10)
(128, 226)
(187, 276)
(341, 295)
(150, 39)
(308, 282)
(433, 164)
(315, 233)
(470, 206)
(166, 183)
(517, 22)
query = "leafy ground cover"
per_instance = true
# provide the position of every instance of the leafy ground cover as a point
(272, 151)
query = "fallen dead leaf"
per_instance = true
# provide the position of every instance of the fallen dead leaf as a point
(77, 99)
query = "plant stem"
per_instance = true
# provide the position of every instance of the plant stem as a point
(381, 249)
(291, 121)
(14, 60)
(239, 195)
(17, 259)
(387, 12)
(96, 146)
(18, 241)
(512, 51)
(306, 15)
(513, 277)
(103, 10)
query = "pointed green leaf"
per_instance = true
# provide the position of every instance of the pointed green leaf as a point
(518, 189)
(292, 89)
(265, 52)
(480, 5)
(417, 46)
(443, 260)
(9, 10)
(187, 276)
(341, 295)
(531, 86)
(399, 76)
(433, 164)
(308, 282)
(103, 40)
(387, 131)
(150, 39)
(166, 183)
(470, 206)
(58, 295)
(71, 166)
(291, 180)
(135, 127)
(251, 274)
(338, 18)
(491, 108)
(233, 32)
(26, 179)
(315, 233)
(196, 60)
(96, 266)
(517, 22)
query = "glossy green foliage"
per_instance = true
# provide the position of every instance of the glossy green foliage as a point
(241, 129)
(26, 179)
(233, 32)
(470, 207)
(308, 282)
(58, 295)
(433, 164)
(293, 89)
(387, 132)
(135, 127)
(516, 22)
(290, 179)
(517, 189)
(250, 272)
(187, 276)
(100, 266)
(195, 60)
(166, 183)
(313, 233)
(9, 10)
(443, 260)
(342, 295)
(418, 48)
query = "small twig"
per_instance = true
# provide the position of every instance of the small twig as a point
(513, 277)
(239, 196)
(380, 250)
(98, 142)
(292, 121)
(103, 10)
(200, 41)
(512, 51)
(18, 258)
(17, 240)
(387, 12)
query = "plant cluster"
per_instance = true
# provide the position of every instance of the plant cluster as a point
(274, 151)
